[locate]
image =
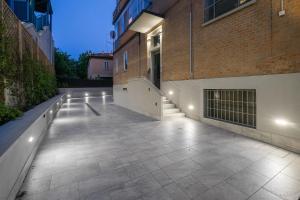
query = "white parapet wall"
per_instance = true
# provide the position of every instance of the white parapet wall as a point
(141, 96)
(277, 97)
(19, 141)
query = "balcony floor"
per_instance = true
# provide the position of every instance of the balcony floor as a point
(124, 155)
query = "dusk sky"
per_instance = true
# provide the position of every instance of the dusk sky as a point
(80, 25)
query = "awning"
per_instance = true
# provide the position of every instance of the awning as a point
(145, 22)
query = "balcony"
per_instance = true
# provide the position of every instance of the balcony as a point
(145, 22)
(119, 7)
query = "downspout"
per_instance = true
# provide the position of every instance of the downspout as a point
(139, 55)
(191, 40)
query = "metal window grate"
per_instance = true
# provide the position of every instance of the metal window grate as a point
(231, 105)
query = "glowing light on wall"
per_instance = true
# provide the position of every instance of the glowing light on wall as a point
(283, 122)
(69, 96)
(51, 111)
(86, 94)
(191, 107)
(31, 139)
(171, 92)
(103, 93)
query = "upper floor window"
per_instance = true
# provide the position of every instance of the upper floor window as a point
(106, 66)
(125, 60)
(216, 8)
(156, 40)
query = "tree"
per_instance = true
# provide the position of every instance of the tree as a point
(64, 65)
(82, 64)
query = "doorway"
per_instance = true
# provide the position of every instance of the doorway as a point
(156, 68)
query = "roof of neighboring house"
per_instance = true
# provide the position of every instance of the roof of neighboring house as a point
(102, 56)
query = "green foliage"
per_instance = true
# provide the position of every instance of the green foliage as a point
(7, 113)
(82, 64)
(66, 67)
(39, 85)
(8, 67)
(28, 80)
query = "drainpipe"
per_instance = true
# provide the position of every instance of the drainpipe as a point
(191, 40)
(282, 10)
(139, 49)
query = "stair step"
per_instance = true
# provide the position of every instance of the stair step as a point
(174, 115)
(166, 101)
(171, 110)
(168, 105)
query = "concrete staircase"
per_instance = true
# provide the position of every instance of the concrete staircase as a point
(170, 110)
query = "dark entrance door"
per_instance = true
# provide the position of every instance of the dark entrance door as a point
(156, 68)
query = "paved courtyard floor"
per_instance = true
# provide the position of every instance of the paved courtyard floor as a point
(122, 155)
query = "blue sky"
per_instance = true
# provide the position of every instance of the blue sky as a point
(80, 25)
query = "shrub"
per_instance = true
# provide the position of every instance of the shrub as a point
(8, 113)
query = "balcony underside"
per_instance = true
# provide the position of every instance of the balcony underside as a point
(145, 22)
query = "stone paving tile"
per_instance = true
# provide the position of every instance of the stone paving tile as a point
(248, 181)
(264, 195)
(222, 191)
(124, 155)
(284, 187)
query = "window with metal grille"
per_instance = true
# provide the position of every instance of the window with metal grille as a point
(216, 8)
(231, 105)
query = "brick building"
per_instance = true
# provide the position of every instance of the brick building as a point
(232, 64)
(100, 66)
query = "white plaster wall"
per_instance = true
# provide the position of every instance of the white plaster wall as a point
(15, 162)
(278, 97)
(141, 96)
(45, 40)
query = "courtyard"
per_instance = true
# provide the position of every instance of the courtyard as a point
(97, 150)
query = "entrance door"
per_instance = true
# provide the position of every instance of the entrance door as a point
(156, 68)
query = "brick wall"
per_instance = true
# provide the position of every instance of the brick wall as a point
(137, 60)
(252, 41)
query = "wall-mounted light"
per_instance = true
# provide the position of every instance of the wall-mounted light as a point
(282, 122)
(103, 93)
(57, 103)
(171, 92)
(191, 107)
(69, 96)
(86, 94)
(51, 111)
(31, 139)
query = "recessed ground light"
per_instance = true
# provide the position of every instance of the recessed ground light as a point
(31, 139)
(191, 107)
(171, 92)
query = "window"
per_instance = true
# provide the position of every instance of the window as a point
(117, 65)
(233, 106)
(156, 40)
(106, 66)
(216, 8)
(125, 60)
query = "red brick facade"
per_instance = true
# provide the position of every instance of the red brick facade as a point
(251, 41)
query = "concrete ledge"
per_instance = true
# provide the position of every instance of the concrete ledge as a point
(19, 141)
(80, 92)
